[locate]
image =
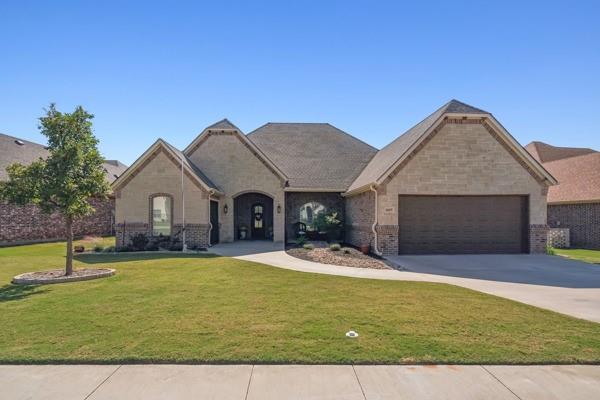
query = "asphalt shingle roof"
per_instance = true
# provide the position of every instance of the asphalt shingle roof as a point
(15, 150)
(544, 152)
(313, 155)
(576, 169)
(387, 156)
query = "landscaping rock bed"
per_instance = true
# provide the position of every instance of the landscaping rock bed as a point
(58, 276)
(347, 257)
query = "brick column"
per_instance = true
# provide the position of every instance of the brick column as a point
(538, 238)
(387, 237)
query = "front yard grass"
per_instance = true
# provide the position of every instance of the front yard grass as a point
(589, 256)
(190, 308)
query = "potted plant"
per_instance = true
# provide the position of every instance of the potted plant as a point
(243, 232)
(365, 248)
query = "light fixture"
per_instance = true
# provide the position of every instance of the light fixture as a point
(278, 208)
(225, 209)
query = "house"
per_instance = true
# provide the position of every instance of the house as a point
(457, 182)
(27, 224)
(574, 203)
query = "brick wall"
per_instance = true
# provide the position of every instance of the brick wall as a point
(538, 238)
(583, 221)
(387, 239)
(195, 234)
(360, 215)
(559, 238)
(295, 200)
(27, 224)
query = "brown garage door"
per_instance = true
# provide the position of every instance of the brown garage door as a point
(462, 224)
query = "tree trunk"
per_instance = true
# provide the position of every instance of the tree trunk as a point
(69, 266)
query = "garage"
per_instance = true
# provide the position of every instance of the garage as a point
(462, 224)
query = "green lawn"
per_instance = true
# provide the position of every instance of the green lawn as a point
(590, 256)
(175, 308)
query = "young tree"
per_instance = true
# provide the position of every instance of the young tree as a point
(66, 180)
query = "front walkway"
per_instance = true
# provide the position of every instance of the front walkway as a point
(282, 382)
(581, 300)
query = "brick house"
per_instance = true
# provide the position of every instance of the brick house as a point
(457, 182)
(573, 203)
(27, 224)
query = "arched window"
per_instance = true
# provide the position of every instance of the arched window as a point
(309, 212)
(162, 214)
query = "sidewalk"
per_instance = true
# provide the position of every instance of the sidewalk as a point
(282, 382)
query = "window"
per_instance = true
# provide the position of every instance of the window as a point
(161, 215)
(258, 216)
(309, 212)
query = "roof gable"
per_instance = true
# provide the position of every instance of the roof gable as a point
(176, 156)
(391, 156)
(314, 156)
(225, 126)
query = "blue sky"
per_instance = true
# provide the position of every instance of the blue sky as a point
(168, 69)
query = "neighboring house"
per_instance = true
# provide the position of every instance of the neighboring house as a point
(27, 224)
(575, 202)
(457, 182)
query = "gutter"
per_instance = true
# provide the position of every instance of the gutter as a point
(373, 227)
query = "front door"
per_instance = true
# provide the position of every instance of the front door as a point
(257, 220)
(214, 221)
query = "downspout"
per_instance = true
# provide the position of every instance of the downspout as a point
(210, 226)
(373, 227)
(184, 246)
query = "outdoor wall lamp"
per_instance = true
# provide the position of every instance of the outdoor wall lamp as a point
(225, 209)
(278, 208)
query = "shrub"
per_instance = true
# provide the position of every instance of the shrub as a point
(346, 250)
(308, 246)
(109, 249)
(550, 251)
(151, 246)
(335, 247)
(301, 240)
(139, 242)
(98, 248)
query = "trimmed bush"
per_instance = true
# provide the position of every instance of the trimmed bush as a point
(308, 246)
(139, 242)
(346, 250)
(98, 248)
(335, 247)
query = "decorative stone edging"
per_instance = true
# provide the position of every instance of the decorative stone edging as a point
(47, 277)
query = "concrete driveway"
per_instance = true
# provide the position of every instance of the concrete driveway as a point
(556, 283)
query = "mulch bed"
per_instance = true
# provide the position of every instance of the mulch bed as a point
(353, 258)
(58, 276)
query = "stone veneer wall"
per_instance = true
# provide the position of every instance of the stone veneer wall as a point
(227, 159)
(559, 238)
(295, 200)
(360, 215)
(27, 224)
(583, 221)
(464, 157)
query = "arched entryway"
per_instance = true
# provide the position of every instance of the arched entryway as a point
(253, 217)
